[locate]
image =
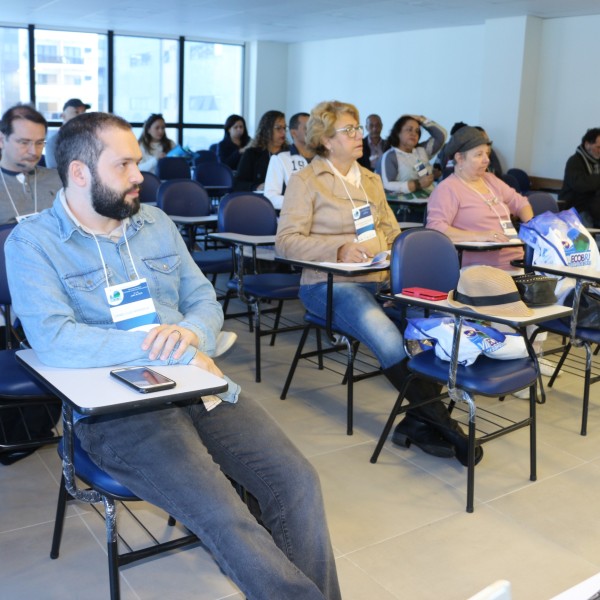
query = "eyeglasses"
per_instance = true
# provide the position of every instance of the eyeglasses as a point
(351, 130)
(25, 144)
(280, 128)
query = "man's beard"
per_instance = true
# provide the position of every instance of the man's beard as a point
(112, 204)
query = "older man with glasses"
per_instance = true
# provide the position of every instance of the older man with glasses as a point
(25, 187)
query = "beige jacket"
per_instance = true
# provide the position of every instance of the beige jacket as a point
(316, 219)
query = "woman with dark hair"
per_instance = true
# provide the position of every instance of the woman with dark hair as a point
(405, 167)
(234, 142)
(270, 139)
(154, 142)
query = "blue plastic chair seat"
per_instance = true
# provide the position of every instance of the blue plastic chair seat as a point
(15, 380)
(94, 476)
(214, 261)
(559, 327)
(486, 376)
(276, 286)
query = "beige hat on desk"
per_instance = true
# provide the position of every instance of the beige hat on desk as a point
(488, 290)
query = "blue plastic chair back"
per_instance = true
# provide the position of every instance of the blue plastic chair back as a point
(149, 187)
(424, 258)
(205, 156)
(173, 167)
(522, 179)
(183, 197)
(214, 174)
(247, 213)
(542, 202)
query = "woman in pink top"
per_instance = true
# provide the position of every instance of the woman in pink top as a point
(472, 205)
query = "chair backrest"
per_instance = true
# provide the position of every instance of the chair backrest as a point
(424, 258)
(183, 197)
(214, 174)
(214, 148)
(542, 202)
(205, 156)
(173, 167)
(149, 187)
(522, 177)
(512, 181)
(247, 213)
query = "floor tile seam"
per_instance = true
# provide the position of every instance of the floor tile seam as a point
(370, 577)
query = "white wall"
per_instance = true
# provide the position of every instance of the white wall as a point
(568, 97)
(435, 73)
(533, 84)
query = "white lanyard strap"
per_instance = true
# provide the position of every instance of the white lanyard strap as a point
(102, 256)
(346, 189)
(491, 202)
(24, 190)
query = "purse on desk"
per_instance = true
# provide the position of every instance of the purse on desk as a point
(536, 290)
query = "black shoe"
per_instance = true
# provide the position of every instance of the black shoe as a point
(412, 431)
(460, 440)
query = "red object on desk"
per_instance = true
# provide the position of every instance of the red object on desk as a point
(426, 294)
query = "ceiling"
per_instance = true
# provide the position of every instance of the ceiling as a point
(276, 20)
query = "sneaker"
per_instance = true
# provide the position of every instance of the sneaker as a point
(547, 368)
(225, 341)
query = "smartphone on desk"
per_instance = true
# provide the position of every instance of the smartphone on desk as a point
(143, 379)
(426, 294)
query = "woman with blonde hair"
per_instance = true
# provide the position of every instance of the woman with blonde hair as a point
(336, 210)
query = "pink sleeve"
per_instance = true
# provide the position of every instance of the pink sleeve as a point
(442, 206)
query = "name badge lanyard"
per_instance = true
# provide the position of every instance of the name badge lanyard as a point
(362, 216)
(506, 223)
(24, 190)
(130, 303)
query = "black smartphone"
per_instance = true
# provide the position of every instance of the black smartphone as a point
(143, 379)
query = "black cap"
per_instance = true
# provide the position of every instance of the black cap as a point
(76, 103)
(465, 139)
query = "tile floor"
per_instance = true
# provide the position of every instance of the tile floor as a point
(399, 527)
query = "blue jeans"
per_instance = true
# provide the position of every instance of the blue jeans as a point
(175, 457)
(357, 313)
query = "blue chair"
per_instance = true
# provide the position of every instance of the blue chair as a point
(542, 202)
(185, 198)
(216, 178)
(512, 181)
(204, 156)
(572, 335)
(149, 188)
(251, 214)
(28, 413)
(102, 487)
(522, 179)
(418, 255)
(173, 167)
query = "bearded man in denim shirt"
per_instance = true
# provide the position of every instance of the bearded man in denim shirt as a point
(60, 264)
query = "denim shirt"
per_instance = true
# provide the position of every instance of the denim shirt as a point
(57, 284)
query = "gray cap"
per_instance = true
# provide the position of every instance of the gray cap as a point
(465, 139)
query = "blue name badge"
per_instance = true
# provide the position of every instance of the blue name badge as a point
(131, 306)
(364, 223)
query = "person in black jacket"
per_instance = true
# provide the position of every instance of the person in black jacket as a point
(270, 139)
(581, 184)
(234, 142)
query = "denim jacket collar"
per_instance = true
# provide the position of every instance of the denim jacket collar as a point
(67, 226)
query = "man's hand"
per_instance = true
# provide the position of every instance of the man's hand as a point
(203, 361)
(164, 340)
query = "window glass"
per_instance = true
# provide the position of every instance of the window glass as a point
(14, 67)
(213, 80)
(69, 64)
(146, 78)
(201, 139)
